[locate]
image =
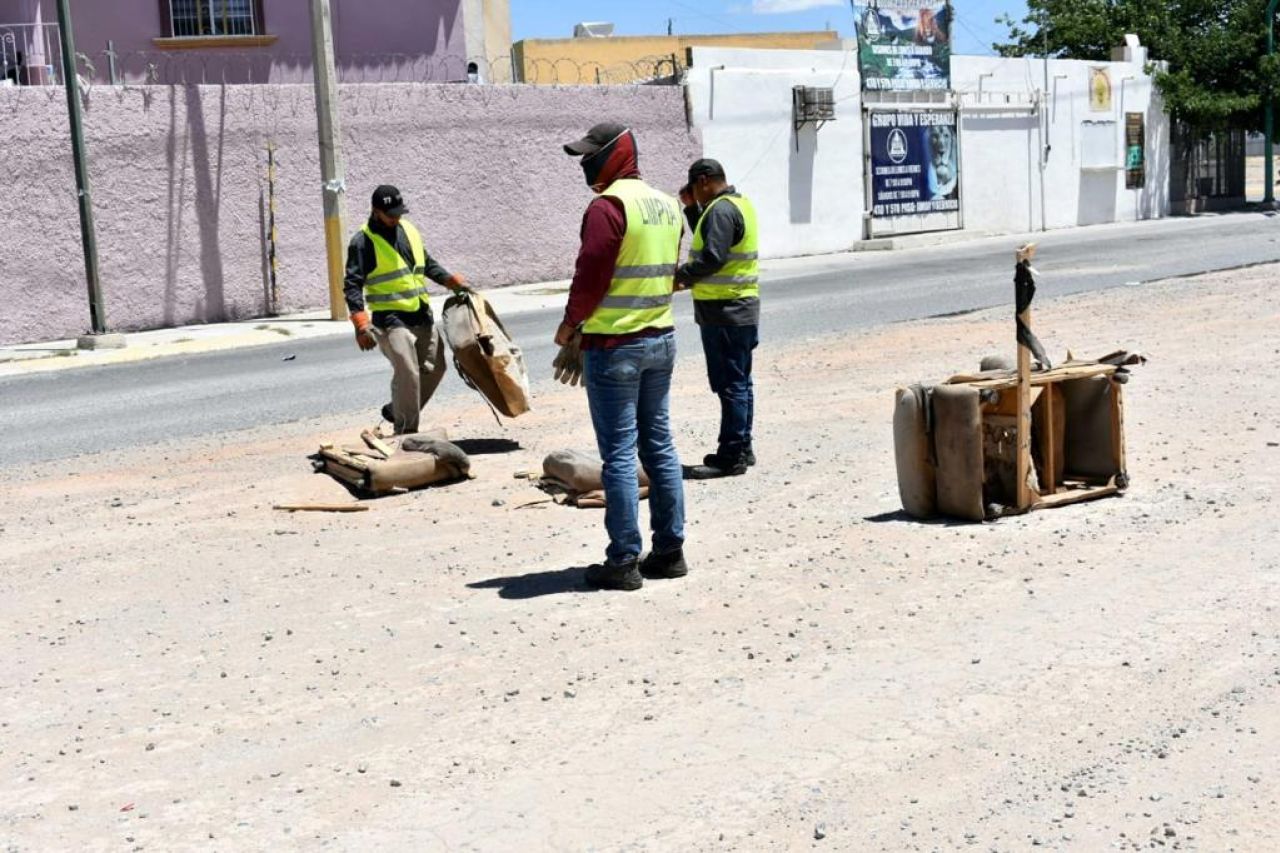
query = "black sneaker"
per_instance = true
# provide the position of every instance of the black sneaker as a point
(750, 458)
(388, 414)
(668, 565)
(606, 575)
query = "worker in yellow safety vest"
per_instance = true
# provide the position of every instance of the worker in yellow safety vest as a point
(724, 272)
(386, 291)
(620, 303)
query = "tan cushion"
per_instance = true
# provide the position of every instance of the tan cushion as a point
(434, 461)
(579, 472)
(957, 440)
(916, 472)
(1090, 452)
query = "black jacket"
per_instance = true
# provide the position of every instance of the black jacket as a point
(362, 260)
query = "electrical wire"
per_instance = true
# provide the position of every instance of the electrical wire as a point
(701, 14)
(980, 38)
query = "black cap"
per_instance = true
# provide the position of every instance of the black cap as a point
(387, 199)
(597, 137)
(705, 167)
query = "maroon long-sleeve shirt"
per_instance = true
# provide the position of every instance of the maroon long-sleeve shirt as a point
(603, 227)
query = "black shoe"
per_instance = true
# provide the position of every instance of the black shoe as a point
(668, 565)
(388, 414)
(727, 461)
(606, 575)
(715, 466)
(707, 472)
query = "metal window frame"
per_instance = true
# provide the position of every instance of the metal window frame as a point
(257, 19)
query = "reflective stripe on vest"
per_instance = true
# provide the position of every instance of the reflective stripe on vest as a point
(639, 295)
(739, 278)
(393, 286)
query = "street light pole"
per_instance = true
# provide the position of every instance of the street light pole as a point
(97, 311)
(1269, 193)
(331, 171)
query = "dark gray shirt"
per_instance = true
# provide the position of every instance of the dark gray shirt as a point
(363, 260)
(722, 228)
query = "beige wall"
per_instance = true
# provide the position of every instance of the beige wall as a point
(497, 39)
(487, 24)
(626, 59)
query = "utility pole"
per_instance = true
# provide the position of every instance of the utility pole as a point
(1046, 143)
(97, 313)
(1269, 193)
(331, 171)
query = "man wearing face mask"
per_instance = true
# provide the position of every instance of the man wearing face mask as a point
(387, 273)
(725, 275)
(621, 300)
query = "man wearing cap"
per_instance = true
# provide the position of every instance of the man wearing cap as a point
(724, 273)
(386, 291)
(621, 300)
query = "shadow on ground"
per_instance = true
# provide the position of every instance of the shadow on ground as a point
(487, 446)
(902, 517)
(537, 584)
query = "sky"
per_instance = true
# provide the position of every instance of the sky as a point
(974, 32)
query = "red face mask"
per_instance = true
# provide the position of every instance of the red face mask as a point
(616, 160)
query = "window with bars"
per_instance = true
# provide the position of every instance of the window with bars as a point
(187, 18)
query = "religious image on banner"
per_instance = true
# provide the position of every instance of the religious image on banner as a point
(1135, 143)
(915, 164)
(1100, 90)
(905, 45)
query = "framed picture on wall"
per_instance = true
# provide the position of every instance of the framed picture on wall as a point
(1100, 89)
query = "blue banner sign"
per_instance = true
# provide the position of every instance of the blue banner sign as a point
(915, 163)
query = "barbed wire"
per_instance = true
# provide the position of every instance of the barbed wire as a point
(180, 68)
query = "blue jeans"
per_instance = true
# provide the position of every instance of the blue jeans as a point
(629, 391)
(729, 350)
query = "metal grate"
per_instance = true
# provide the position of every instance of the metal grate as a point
(212, 17)
(1206, 165)
(813, 103)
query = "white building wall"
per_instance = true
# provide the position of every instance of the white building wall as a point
(812, 200)
(1000, 149)
(807, 188)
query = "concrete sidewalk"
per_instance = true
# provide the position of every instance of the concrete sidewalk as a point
(21, 359)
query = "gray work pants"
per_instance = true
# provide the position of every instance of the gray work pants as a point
(417, 361)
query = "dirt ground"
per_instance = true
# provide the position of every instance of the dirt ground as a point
(186, 668)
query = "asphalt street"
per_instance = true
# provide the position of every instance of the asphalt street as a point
(66, 413)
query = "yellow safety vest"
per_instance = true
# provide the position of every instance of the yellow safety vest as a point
(739, 278)
(393, 285)
(639, 294)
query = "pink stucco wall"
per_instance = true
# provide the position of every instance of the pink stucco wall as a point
(366, 36)
(179, 178)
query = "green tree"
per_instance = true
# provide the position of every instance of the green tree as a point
(1212, 68)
